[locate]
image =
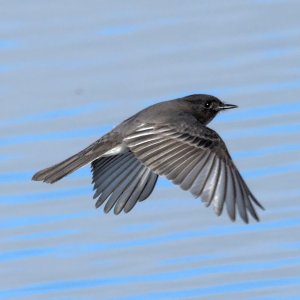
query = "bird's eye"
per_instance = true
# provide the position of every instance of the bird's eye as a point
(208, 104)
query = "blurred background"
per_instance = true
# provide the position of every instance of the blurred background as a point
(70, 71)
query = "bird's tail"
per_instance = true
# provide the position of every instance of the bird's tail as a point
(71, 164)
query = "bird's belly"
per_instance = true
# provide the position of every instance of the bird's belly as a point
(121, 148)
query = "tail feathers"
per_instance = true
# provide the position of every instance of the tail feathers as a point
(71, 164)
(60, 170)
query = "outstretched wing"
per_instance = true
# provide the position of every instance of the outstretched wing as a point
(196, 158)
(122, 180)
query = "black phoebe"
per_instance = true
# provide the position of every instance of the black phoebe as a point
(171, 139)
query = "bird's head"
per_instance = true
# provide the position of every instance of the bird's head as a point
(206, 107)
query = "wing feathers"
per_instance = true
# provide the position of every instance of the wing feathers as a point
(196, 159)
(149, 186)
(220, 191)
(125, 190)
(230, 202)
(121, 181)
(187, 166)
(201, 171)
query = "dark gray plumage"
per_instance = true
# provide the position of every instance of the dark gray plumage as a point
(171, 139)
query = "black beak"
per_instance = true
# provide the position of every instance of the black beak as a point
(227, 106)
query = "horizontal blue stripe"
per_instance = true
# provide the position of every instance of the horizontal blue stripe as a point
(256, 88)
(20, 221)
(13, 140)
(259, 112)
(39, 197)
(8, 44)
(42, 235)
(24, 253)
(59, 113)
(221, 289)
(132, 28)
(171, 276)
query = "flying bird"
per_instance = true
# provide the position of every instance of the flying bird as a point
(169, 138)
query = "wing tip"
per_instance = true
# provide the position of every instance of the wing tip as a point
(259, 204)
